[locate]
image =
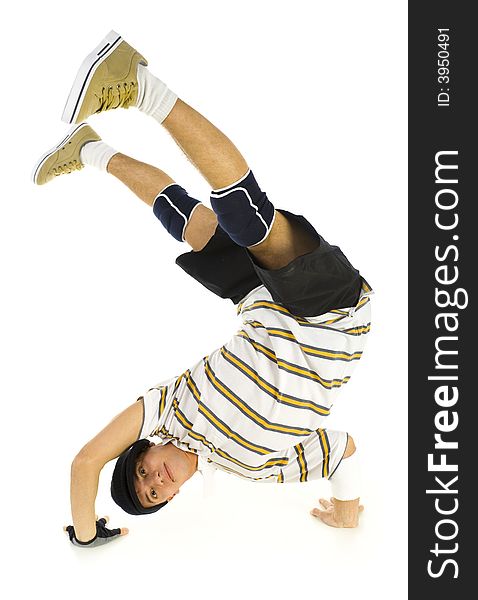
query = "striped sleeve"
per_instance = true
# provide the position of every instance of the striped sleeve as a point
(153, 406)
(317, 456)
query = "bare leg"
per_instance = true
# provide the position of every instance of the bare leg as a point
(144, 180)
(221, 164)
(147, 182)
(210, 151)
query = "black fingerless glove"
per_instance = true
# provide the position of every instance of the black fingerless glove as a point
(103, 535)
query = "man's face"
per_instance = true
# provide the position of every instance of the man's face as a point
(160, 472)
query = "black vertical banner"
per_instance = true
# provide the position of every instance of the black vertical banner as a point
(443, 253)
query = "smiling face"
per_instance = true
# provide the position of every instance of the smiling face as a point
(161, 471)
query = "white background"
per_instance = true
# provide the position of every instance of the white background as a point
(94, 311)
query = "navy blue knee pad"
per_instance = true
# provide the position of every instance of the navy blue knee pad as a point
(173, 207)
(243, 211)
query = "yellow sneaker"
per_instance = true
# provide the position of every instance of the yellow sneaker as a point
(65, 157)
(107, 79)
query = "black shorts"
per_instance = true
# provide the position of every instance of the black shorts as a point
(310, 285)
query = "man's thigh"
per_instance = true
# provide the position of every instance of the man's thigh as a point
(286, 241)
(302, 271)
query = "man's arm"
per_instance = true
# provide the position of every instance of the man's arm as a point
(344, 512)
(86, 467)
(326, 453)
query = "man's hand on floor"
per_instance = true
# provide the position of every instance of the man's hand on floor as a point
(338, 513)
(103, 534)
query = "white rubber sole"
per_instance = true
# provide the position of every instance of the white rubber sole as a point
(47, 155)
(86, 72)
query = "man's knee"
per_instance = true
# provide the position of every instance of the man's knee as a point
(244, 211)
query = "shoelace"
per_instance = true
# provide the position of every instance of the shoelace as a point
(67, 168)
(122, 95)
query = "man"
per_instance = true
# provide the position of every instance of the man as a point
(256, 406)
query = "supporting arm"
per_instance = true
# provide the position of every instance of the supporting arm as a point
(86, 467)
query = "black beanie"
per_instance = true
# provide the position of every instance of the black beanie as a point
(122, 482)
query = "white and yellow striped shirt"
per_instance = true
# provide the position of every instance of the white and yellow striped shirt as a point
(256, 406)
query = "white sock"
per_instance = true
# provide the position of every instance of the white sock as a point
(97, 154)
(154, 97)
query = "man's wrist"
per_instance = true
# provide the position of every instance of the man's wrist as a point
(78, 542)
(346, 512)
(85, 536)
